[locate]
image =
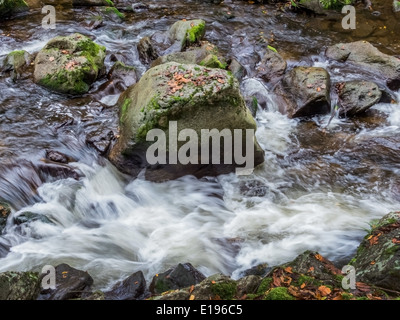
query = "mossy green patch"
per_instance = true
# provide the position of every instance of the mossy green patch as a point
(12, 6)
(279, 293)
(264, 285)
(225, 290)
(66, 82)
(124, 109)
(212, 61)
(113, 10)
(196, 33)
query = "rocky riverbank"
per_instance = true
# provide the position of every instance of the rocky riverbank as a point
(310, 276)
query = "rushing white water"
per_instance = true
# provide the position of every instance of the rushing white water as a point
(112, 228)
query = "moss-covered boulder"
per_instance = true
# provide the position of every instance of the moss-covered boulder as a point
(191, 97)
(377, 260)
(366, 56)
(9, 7)
(304, 91)
(69, 64)
(15, 63)
(19, 285)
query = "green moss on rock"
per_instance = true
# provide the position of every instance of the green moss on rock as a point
(279, 293)
(196, 33)
(225, 290)
(8, 7)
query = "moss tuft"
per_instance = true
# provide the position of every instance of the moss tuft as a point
(196, 33)
(264, 286)
(279, 293)
(225, 290)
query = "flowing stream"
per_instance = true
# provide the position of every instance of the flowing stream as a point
(319, 188)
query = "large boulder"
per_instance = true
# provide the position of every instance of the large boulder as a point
(357, 97)
(69, 64)
(183, 97)
(19, 285)
(365, 55)
(304, 91)
(377, 260)
(9, 7)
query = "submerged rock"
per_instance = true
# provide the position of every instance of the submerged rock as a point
(191, 97)
(19, 285)
(69, 64)
(366, 56)
(304, 91)
(180, 276)
(358, 96)
(377, 260)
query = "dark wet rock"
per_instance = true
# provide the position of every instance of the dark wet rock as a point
(57, 171)
(122, 75)
(304, 91)
(11, 7)
(180, 276)
(211, 100)
(256, 95)
(377, 260)
(146, 50)
(366, 56)
(238, 71)
(271, 67)
(253, 188)
(69, 64)
(15, 63)
(27, 216)
(5, 211)
(100, 140)
(71, 283)
(132, 288)
(357, 97)
(19, 285)
(57, 156)
(258, 270)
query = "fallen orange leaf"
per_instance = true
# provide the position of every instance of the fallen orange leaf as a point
(324, 290)
(191, 288)
(288, 269)
(318, 257)
(191, 297)
(303, 285)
